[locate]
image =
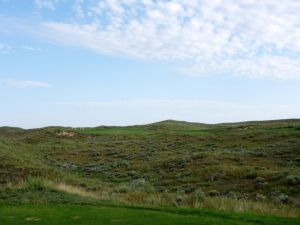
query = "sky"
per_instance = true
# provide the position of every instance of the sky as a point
(122, 62)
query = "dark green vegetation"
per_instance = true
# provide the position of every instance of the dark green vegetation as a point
(252, 167)
(103, 215)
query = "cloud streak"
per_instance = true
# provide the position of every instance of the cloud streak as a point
(26, 83)
(33, 49)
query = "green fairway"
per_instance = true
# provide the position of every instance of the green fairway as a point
(85, 215)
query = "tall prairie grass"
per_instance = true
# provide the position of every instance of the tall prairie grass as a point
(138, 197)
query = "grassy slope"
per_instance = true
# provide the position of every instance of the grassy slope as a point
(172, 156)
(76, 214)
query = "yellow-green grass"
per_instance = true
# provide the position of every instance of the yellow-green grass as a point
(41, 191)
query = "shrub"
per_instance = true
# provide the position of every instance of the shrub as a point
(281, 198)
(34, 184)
(277, 176)
(198, 195)
(235, 195)
(141, 185)
(133, 174)
(250, 175)
(181, 198)
(260, 197)
(122, 189)
(213, 193)
(293, 180)
(138, 182)
(260, 179)
(257, 153)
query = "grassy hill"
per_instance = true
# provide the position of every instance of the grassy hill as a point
(248, 167)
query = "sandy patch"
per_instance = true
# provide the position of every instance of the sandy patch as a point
(32, 219)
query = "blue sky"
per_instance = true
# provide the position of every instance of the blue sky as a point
(120, 62)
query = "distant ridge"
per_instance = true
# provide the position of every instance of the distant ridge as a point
(258, 122)
(174, 124)
(169, 123)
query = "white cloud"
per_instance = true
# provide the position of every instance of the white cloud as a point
(247, 38)
(26, 83)
(29, 48)
(77, 7)
(254, 67)
(5, 48)
(49, 4)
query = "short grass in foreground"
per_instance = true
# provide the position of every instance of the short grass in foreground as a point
(106, 215)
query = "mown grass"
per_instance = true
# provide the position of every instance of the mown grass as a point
(85, 215)
(116, 131)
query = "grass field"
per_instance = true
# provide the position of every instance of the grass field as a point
(105, 215)
(251, 167)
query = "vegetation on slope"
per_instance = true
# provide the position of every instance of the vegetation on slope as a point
(242, 167)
